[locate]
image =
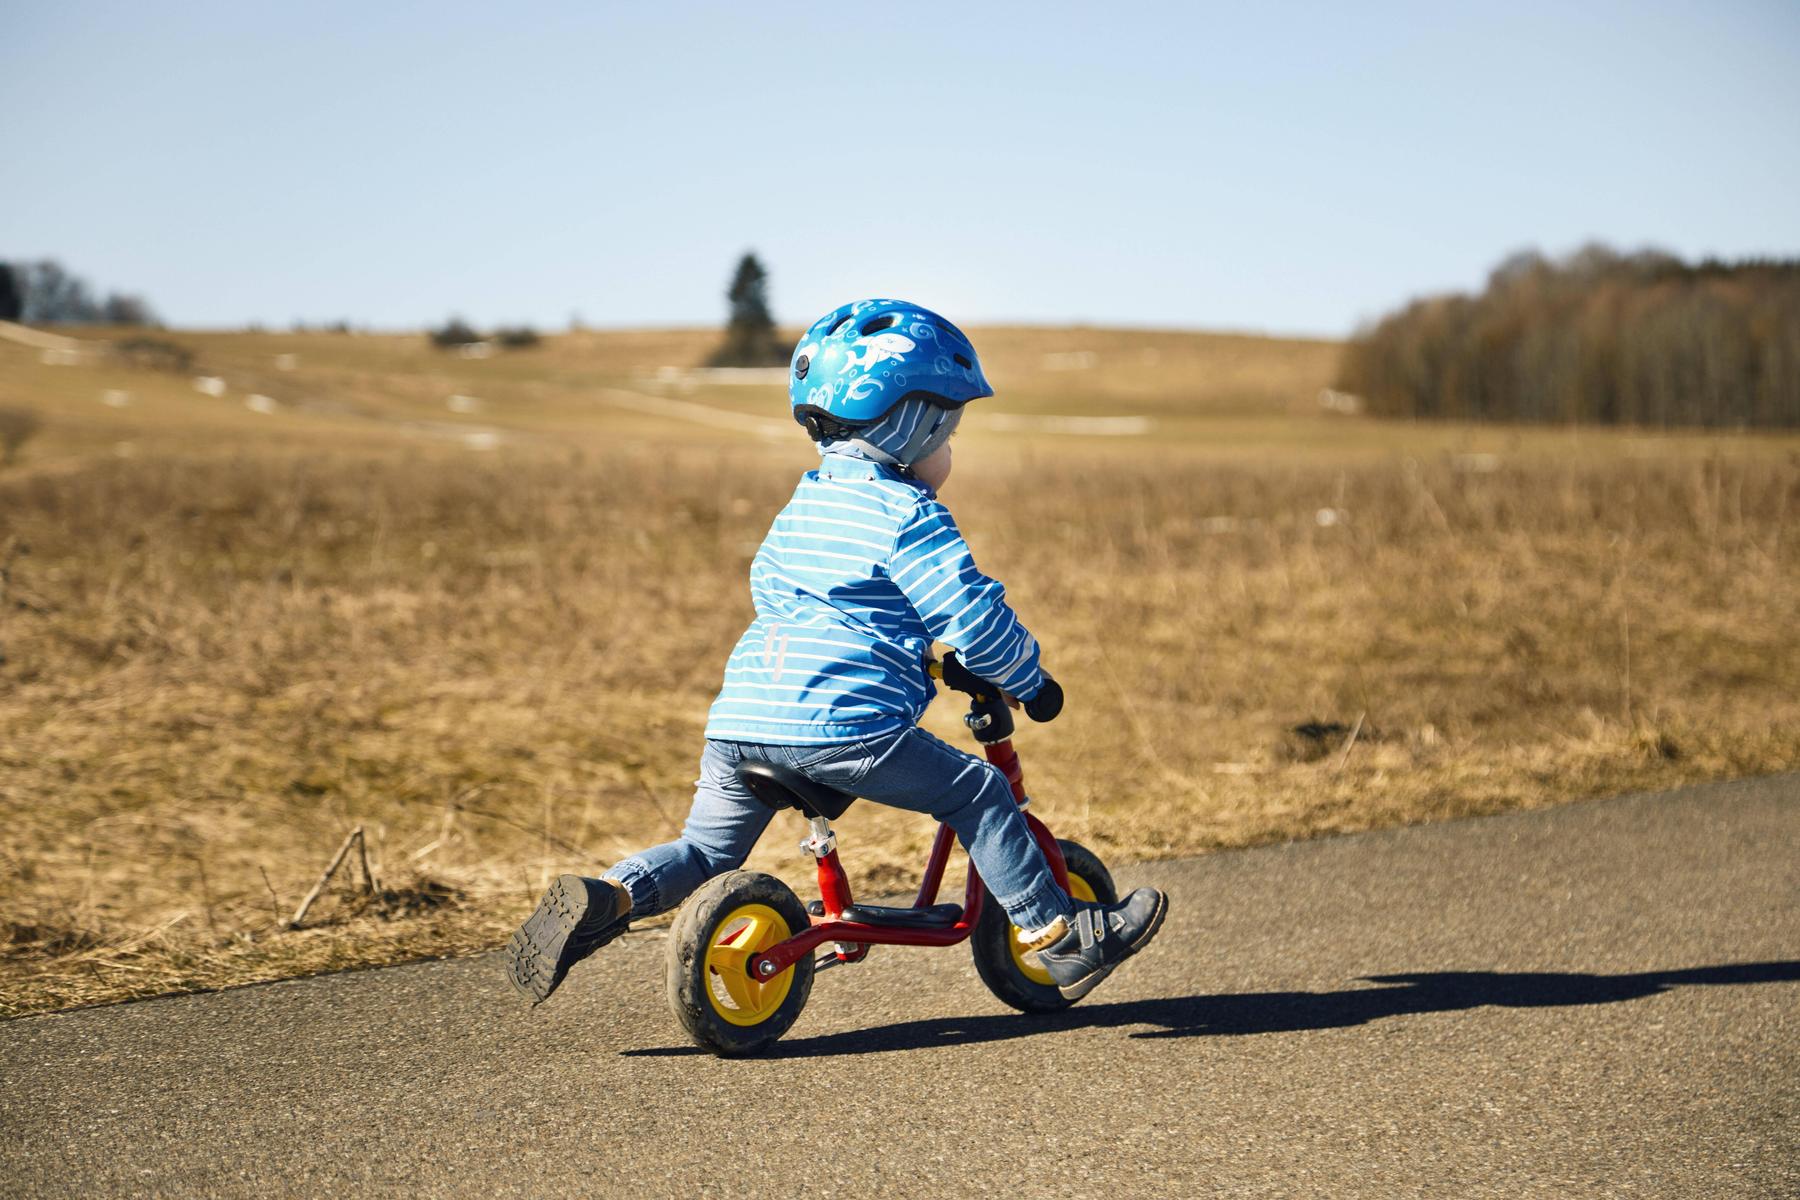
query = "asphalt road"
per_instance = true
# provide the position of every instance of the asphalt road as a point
(1596, 1000)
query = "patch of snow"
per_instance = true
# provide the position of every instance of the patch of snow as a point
(260, 404)
(12, 331)
(209, 385)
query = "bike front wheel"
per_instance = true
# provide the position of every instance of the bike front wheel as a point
(1010, 971)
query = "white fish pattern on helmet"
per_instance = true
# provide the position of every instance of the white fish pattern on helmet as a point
(863, 388)
(877, 349)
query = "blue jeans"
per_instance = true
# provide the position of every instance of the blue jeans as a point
(910, 769)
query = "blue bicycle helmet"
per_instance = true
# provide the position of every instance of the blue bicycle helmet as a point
(883, 378)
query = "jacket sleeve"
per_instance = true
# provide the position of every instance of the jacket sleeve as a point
(934, 570)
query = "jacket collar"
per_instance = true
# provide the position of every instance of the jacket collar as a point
(849, 466)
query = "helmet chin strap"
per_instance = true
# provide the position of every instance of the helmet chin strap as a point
(872, 452)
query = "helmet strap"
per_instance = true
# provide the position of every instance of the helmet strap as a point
(932, 431)
(930, 435)
(874, 453)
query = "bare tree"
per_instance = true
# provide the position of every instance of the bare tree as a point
(1599, 336)
(54, 296)
(47, 294)
(122, 309)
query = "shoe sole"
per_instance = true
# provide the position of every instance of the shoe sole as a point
(541, 951)
(1088, 983)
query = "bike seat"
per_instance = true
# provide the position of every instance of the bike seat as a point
(783, 787)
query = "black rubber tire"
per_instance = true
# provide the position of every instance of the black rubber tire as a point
(992, 940)
(689, 987)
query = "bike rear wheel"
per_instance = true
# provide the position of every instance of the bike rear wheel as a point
(711, 992)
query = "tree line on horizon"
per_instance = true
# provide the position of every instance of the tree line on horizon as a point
(45, 293)
(1595, 337)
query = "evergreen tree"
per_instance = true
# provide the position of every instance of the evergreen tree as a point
(12, 303)
(751, 339)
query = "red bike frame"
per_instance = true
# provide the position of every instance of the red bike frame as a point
(855, 937)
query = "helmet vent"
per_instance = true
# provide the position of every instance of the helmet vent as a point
(845, 320)
(882, 322)
(962, 362)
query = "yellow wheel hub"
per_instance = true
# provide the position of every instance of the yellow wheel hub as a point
(1027, 960)
(744, 933)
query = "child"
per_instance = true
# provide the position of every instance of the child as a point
(861, 572)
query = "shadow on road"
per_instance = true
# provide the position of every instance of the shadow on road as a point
(1281, 1012)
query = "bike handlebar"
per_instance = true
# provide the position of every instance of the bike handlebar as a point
(989, 717)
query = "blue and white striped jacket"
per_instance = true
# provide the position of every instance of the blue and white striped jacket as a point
(860, 573)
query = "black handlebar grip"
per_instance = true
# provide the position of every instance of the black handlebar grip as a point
(961, 679)
(1047, 703)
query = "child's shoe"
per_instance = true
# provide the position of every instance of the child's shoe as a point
(1098, 938)
(576, 917)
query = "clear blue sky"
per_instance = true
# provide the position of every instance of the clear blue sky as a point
(1272, 167)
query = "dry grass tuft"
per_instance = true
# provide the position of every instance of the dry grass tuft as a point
(17, 426)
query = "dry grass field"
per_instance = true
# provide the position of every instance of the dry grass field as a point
(478, 607)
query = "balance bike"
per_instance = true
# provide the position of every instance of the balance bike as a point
(741, 952)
